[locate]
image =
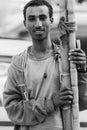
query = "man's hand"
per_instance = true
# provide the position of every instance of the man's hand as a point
(78, 57)
(64, 97)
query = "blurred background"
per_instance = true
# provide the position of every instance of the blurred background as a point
(11, 19)
(14, 39)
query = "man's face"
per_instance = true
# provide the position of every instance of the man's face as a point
(38, 22)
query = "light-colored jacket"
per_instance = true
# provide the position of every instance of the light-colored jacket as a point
(26, 107)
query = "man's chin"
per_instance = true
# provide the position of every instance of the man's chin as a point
(39, 37)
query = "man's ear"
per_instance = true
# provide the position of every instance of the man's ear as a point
(51, 19)
(24, 22)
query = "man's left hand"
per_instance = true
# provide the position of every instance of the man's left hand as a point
(78, 57)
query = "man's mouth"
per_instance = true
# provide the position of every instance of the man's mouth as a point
(39, 31)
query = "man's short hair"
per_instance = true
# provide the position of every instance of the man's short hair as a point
(38, 3)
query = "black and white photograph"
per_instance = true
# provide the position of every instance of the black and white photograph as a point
(43, 64)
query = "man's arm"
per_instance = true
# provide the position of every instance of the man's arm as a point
(82, 86)
(20, 111)
(78, 57)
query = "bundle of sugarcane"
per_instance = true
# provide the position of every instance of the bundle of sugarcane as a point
(68, 74)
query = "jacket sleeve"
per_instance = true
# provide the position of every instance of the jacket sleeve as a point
(82, 84)
(19, 110)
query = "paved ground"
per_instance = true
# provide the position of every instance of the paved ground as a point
(11, 128)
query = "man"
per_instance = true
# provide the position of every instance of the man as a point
(32, 96)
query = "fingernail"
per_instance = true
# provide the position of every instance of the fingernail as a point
(69, 58)
(71, 50)
(69, 53)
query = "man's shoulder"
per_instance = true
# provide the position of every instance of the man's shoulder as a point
(19, 60)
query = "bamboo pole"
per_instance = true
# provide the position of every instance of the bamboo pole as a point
(68, 72)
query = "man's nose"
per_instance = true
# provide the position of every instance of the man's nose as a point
(38, 23)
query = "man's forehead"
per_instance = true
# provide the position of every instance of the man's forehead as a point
(36, 10)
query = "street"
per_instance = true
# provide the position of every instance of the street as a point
(11, 128)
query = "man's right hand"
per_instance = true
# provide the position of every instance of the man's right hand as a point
(64, 97)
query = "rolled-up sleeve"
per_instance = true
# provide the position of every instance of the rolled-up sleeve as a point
(20, 111)
(82, 84)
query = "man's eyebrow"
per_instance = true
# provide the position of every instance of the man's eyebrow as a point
(31, 16)
(42, 15)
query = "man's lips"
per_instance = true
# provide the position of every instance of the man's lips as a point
(39, 31)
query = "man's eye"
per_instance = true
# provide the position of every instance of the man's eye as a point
(31, 19)
(42, 18)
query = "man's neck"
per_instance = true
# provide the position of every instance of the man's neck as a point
(41, 46)
(41, 49)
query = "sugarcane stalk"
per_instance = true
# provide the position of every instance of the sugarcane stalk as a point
(68, 74)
